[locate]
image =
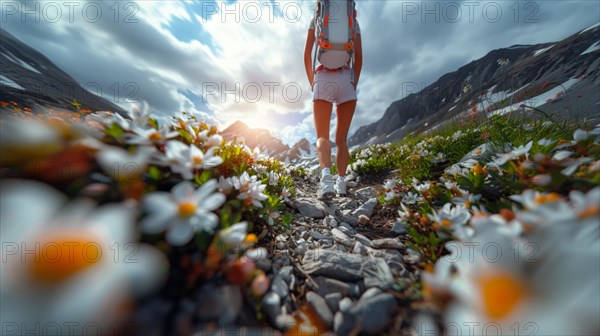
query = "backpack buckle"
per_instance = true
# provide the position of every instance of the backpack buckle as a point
(324, 44)
(349, 46)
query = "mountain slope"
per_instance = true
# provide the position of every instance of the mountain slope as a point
(533, 69)
(267, 143)
(32, 80)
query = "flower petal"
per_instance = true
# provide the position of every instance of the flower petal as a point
(205, 221)
(156, 223)
(180, 233)
(206, 189)
(213, 202)
(183, 191)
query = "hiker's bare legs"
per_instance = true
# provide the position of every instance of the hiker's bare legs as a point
(322, 113)
(344, 114)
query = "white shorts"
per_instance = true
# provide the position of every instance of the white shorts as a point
(334, 86)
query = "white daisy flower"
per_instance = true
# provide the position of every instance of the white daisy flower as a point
(183, 211)
(467, 199)
(404, 213)
(253, 194)
(423, 187)
(184, 159)
(214, 140)
(272, 216)
(573, 165)
(412, 198)
(273, 178)
(581, 135)
(457, 135)
(73, 262)
(439, 157)
(531, 199)
(390, 195)
(139, 116)
(456, 169)
(149, 136)
(514, 154)
(390, 184)
(286, 194)
(225, 185)
(451, 217)
(122, 165)
(546, 142)
(235, 234)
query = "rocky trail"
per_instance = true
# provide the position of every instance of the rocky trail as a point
(342, 267)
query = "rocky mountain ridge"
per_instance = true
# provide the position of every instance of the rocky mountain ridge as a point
(30, 79)
(269, 144)
(528, 69)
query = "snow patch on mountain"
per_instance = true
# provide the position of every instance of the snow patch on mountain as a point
(20, 62)
(538, 100)
(9, 82)
(541, 51)
(590, 28)
(592, 48)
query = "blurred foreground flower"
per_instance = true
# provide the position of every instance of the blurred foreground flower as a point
(543, 280)
(69, 262)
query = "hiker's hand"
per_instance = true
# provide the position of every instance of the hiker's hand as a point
(312, 85)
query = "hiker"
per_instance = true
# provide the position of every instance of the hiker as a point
(339, 52)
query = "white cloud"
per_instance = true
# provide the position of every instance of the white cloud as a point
(401, 51)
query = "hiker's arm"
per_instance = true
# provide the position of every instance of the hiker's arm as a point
(357, 59)
(308, 48)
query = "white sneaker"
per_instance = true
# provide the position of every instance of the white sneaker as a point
(340, 185)
(326, 190)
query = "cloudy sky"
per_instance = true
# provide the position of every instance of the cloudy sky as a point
(243, 60)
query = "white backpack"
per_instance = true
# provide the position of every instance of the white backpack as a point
(335, 28)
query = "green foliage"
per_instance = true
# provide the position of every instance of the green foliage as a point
(524, 147)
(428, 244)
(203, 177)
(114, 130)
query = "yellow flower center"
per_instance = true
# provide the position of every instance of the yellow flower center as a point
(251, 238)
(182, 123)
(197, 160)
(155, 136)
(589, 212)
(501, 293)
(478, 152)
(551, 197)
(468, 204)
(478, 169)
(186, 209)
(447, 223)
(61, 255)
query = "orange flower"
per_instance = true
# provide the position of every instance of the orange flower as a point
(478, 169)
(507, 214)
(4, 104)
